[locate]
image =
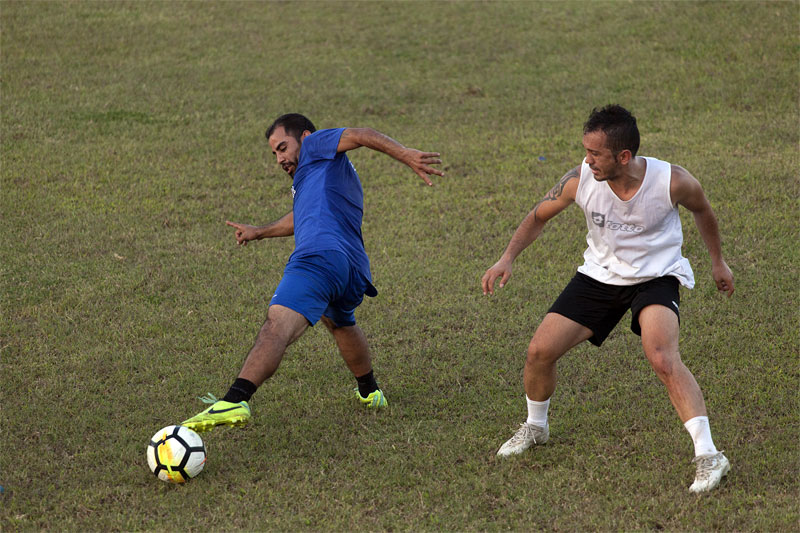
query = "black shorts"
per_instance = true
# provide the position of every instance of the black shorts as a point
(600, 306)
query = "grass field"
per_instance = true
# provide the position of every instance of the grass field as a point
(132, 130)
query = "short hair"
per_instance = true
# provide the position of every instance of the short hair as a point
(294, 124)
(618, 124)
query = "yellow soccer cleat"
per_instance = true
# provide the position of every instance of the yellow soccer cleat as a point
(375, 399)
(220, 412)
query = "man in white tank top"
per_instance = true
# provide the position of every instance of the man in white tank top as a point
(633, 261)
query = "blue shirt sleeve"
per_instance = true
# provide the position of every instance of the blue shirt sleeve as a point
(322, 144)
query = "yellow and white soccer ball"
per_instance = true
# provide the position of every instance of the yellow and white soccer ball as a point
(176, 454)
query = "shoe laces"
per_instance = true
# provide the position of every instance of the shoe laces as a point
(208, 398)
(705, 464)
(524, 433)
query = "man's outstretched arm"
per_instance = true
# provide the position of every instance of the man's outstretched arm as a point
(420, 162)
(283, 227)
(560, 196)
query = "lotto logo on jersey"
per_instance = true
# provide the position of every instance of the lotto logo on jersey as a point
(600, 220)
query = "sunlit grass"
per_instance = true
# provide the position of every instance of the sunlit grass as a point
(131, 131)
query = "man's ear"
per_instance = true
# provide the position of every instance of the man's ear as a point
(624, 157)
(305, 134)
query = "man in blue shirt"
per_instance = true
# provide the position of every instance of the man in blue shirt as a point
(328, 273)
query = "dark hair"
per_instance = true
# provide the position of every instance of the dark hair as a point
(294, 124)
(619, 126)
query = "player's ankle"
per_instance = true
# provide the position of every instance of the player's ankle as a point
(241, 391)
(366, 384)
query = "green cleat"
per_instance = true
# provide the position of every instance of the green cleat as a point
(375, 399)
(220, 412)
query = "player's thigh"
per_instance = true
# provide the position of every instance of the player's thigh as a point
(310, 283)
(660, 333)
(555, 336)
(284, 323)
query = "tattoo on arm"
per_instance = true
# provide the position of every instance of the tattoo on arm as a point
(558, 188)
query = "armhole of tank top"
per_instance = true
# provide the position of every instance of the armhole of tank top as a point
(672, 204)
(581, 184)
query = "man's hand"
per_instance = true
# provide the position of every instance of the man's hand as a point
(420, 162)
(244, 232)
(723, 277)
(502, 270)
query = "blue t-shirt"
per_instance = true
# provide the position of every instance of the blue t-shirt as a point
(328, 201)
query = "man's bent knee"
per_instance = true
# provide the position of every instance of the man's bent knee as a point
(664, 362)
(283, 324)
(537, 355)
(329, 324)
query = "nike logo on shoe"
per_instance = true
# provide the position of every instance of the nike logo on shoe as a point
(213, 411)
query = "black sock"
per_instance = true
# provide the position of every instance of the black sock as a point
(241, 391)
(367, 384)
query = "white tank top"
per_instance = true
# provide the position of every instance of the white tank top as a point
(636, 240)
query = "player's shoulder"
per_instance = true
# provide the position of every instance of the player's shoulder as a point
(572, 176)
(325, 134)
(683, 185)
(677, 171)
(567, 186)
(680, 177)
(321, 144)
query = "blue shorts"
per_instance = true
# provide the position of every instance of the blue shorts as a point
(323, 284)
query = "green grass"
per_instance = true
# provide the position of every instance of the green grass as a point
(132, 130)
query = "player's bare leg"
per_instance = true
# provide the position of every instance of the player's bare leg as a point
(354, 350)
(282, 327)
(660, 331)
(553, 338)
(352, 345)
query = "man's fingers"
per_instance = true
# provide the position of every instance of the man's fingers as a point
(488, 286)
(490, 278)
(726, 287)
(421, 163)
(488, 282)
(436, 171)
(425, 170)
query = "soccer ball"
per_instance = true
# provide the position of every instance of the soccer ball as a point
(176, 454)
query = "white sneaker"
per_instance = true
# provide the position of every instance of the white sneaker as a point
(710, 469)
(526, 436)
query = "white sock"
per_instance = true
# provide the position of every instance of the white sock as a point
(537, 412)
(700, 431)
